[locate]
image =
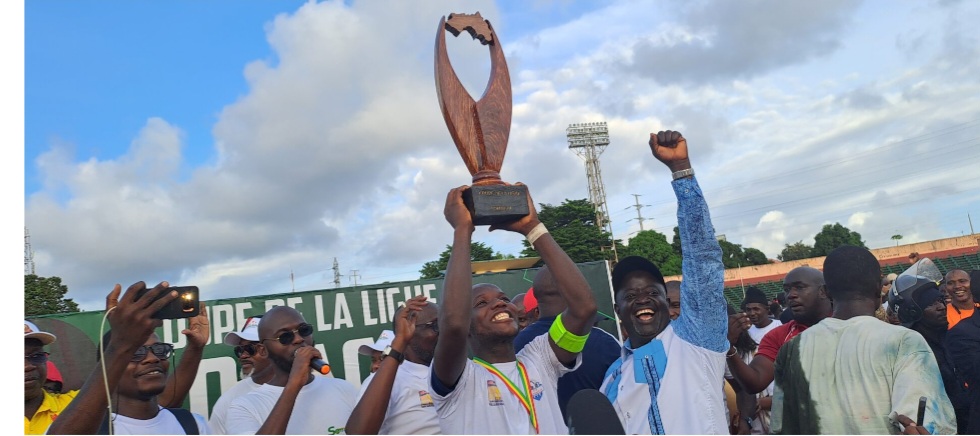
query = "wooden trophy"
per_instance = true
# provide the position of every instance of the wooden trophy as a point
(480, 128)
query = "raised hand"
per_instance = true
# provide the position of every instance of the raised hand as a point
(670, 147)
(198, 329)
(456, 212)
(737, 323)
(135, 316)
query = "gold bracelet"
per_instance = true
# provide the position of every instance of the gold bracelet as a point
(732, 352)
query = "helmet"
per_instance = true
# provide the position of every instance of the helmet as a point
(910, 295)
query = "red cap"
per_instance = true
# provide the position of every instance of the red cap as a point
(53, 373)
(530, 302)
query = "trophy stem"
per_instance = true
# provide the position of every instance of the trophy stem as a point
(487, 177)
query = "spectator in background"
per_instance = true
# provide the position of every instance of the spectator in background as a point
(835, 375)
(245, 343)
(748, 411)
(920, 307)
(528, 306)
(757, 310)
(961, 304)
(374, 350)
(674, 298)
(395, 399)
(963, 345)
(41, 407)
(601, 348)
(54, 382)
(787, 315)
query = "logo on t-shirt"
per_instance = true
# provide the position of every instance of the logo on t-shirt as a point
(425, 399)
(493, 394)
(537, 389)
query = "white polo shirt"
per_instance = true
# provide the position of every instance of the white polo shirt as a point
(220, 410)
(410, 408)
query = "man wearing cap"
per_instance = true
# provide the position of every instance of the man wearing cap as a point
(376, 349)
(396, 399)
(668, 379)
(756, 306)
(41, 408)
(601, 348)
(259, 371)
(54, 382)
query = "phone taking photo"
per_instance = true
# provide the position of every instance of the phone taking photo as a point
(187, 304)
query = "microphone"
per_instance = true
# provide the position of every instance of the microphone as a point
(320, 366)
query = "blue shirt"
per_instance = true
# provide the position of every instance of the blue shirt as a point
(601, 350)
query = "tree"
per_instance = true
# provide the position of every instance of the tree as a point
(676, 242)
(797, 251)
(478, 252)
(653, 245)
(754, 256)
(573, 226)
(46, 295)
(896, 238)
(833, 236)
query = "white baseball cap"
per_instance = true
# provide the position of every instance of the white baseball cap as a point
(32, 332)
(249, 333)
(383, 342)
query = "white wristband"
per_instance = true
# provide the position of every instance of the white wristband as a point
(536, 233)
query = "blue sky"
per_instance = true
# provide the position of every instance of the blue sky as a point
(225, 143)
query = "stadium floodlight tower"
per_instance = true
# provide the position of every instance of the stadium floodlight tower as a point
(588, 141)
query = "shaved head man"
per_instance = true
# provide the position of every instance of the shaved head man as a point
(961, 304)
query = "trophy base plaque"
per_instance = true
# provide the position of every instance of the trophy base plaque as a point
(495, 204)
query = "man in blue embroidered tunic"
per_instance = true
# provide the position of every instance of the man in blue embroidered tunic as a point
(669, 377)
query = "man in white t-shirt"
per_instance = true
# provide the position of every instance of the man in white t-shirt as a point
(260, 371)
(500, 391)
(395, 399)
(294, 401)
(136, 366)
(668, 379)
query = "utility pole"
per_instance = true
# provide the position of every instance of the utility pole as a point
(353, 276)
(971, 222)
(28, 254)
(336, 273)
(292, 280)
(639, 206)
(588, 141)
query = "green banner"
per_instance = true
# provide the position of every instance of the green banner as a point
(343, 320)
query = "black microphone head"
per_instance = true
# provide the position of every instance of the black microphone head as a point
(590, 412)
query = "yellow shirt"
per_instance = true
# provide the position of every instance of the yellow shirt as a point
(51, 407)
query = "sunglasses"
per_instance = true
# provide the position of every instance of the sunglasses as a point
(161, 350)
(288, 337)
(434, 325)
(37, 359)
(243, 349)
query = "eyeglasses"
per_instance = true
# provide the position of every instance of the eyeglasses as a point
(162, 350)
(37, 359)
(434, 325)
(242, 349)
(288, 337)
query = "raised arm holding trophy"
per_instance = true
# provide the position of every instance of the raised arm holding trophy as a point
(480, 128)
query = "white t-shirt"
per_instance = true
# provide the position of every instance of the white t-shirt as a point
(481, 403)
(691, 399)
(757, 334)
(219, 412)
(322, 407)
(852, 374)
(410, 408)
(164, 423)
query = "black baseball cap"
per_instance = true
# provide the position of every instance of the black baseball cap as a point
(630, 264)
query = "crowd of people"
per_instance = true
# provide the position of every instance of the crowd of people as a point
(816, 360)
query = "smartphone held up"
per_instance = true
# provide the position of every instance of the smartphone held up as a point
(187, 304)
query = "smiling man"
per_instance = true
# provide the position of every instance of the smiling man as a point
(961, 304)
(668, 379)
(500, 391)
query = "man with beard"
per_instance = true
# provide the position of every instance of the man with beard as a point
(807, 298)
(852, 373)
(294, 401)
(260, 371)
(961, 304)
(136, 369)
(668, 379)
(501, 391)
(921, 307)
(395, 399)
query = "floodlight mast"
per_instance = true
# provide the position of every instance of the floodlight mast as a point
(588, 141)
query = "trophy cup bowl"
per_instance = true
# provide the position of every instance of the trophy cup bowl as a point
(480, 129)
